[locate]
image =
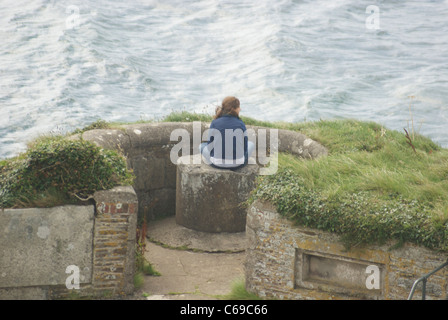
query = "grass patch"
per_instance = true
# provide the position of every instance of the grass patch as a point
(372, 187)
(376, 185)
(149, 270)
(98, 124)
(139, 280)
(185, 116)
(239, 292)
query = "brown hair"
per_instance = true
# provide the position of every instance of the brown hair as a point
(228, 106)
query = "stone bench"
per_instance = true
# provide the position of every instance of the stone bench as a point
(210, 199)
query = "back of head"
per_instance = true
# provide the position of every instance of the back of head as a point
(228, 106)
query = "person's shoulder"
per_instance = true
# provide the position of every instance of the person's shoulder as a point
(228, 120)
(241, 122)
(214, 122)
(234, 118)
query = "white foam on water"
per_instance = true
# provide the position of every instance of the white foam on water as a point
(285, 60)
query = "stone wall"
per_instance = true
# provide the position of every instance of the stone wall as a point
(41, 248)
(284, 261)
(148, 146)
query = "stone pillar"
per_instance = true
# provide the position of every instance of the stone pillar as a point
(114, 240)
(210, 199)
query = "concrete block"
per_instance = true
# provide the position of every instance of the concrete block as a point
(38, 244)
(150, 172)
(210, 199)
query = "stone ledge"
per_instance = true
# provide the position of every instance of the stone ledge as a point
(37, 245)
(125, 194)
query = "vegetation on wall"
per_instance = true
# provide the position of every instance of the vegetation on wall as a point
(55, 170)
(372, 188)
(376, 185)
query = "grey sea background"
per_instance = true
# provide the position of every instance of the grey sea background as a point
(65, 64)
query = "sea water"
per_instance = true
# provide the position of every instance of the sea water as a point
(65, 64)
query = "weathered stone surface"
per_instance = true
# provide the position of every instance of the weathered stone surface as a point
(108, 139)
(148, 146)
(163, 202)
(114, 239)
(287, 141)
(284, 261)
(210, 199)
(151, 171)
(300, 145)
(37, 245)
(124, 194)
(168, 232)
(148, 134)
(24, 293)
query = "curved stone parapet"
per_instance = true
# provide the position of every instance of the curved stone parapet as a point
(148, 148)
(290, 141)
(137, 136)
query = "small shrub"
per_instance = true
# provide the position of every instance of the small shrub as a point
(239, 292)
(68, 170)
(99, 124)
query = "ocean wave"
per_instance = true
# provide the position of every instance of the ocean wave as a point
(64, 64)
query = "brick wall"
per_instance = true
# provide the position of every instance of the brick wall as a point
(285, 261)
(114, 240)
